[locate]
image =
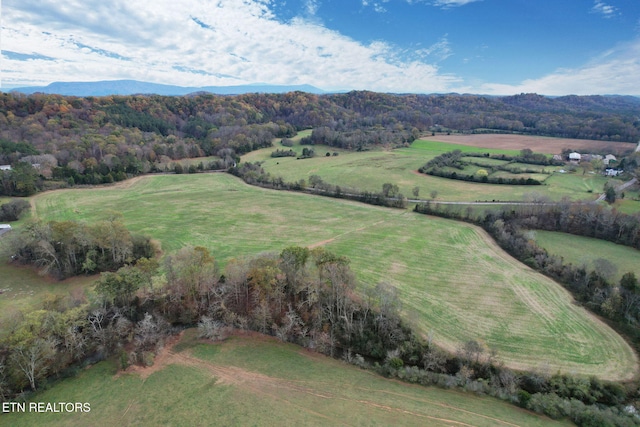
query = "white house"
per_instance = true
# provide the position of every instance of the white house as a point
(5, 167)
(575, 157)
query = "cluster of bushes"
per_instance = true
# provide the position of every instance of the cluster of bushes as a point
(286, 142)
(284, 153)
(13, 210)
(307, 153)
(68, 248)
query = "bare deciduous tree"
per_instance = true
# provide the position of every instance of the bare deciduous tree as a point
(32, 359)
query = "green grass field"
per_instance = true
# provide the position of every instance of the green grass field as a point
(251, 380)
(580, 250)
(22, 288)
(453, 280)
(369, 170)
(631, 202)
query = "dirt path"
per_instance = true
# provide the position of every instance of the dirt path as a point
(324, 242)
(279, 388)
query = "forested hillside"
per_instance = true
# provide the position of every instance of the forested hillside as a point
(99, 140)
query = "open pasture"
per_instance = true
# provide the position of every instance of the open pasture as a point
(453, 280)
(485, 161)
(538, 144)
(22, 288)
(255, 380)
(579, 250)
(369, 170)
(630, 204)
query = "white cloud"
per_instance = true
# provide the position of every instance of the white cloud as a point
(377, 5)
(438, 51)
(616, 71)
(208, 42)
(312, 7)
(604, 9)
(451, 3)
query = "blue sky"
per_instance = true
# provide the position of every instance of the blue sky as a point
(500, 47)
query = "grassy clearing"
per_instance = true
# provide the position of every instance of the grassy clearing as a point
(580, 185)
(22, 288)
(369, 170)
(453, 279)
(485, 162)
(580, 250)
(258, 381)
(631, 202)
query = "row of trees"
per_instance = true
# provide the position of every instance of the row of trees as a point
(254, 174)
(441, 166)
(481, 176)
(301, 295)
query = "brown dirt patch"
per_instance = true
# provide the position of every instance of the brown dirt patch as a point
(161, 360)
(127, 182)
(282, 389)
(322, 243)
(535, 143)
(325, 242)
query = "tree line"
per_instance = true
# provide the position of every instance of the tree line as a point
(305, 296)
(443, 164)
(254, 174)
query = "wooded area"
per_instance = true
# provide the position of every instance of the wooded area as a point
(100, 140)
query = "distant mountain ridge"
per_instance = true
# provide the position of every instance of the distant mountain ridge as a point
(134, 87)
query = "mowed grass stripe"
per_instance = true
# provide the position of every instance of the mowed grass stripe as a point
(461, 292)
(453, 279)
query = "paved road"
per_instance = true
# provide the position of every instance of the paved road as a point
(619, 188)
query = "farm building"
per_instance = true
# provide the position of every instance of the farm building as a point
(5, 167)
(609, 158)
(589, 157)
(575, 157)
(612, 172)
